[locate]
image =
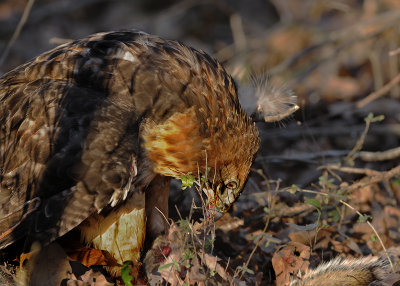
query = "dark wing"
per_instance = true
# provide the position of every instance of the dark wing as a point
(68, 138)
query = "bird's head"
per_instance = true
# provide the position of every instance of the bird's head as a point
(178, 147)
(222, 148)
(205, 127)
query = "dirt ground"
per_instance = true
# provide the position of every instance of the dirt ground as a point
(326, 181)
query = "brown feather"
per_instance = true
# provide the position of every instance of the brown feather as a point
(89, 125)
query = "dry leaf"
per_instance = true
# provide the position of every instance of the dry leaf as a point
(212, 263)
(196, 273)
(340, 247)
(89, 278)
(89, 256)
(290, 260)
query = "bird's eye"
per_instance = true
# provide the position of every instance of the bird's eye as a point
(232, 184)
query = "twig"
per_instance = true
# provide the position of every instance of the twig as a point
(17, 31)
(360, 142)
(374, 230)
(376, 94)
(312, 157)
(361, 215)
(369, 180)
(380, 156)
(305, 157)
(332, 173)
(393, 63)
(351, 170)
(163, 215)
(368, 27)
(375, 60)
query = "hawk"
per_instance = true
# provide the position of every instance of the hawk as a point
(92, 131)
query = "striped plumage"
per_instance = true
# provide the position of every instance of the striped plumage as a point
(95, 128)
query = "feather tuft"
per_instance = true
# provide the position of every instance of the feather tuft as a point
(274, 101)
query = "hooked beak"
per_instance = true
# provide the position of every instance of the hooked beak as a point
(215, 201)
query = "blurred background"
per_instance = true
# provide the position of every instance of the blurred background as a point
(333, 54)
(202, 24)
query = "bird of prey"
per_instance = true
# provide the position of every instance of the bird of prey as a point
(92, 131)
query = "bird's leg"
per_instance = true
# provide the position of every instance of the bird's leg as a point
(157, 195)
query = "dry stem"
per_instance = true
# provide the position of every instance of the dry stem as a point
(18, 30)
(380, 156)
(379, 93)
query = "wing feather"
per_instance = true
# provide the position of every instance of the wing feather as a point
(68, 142)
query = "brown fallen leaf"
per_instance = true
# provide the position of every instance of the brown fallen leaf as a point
(340, 247)
(212, 263)
(289, 260)
(324, 236)
(89, 256)
(89, 278)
